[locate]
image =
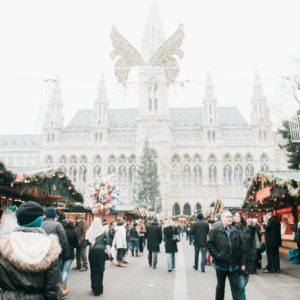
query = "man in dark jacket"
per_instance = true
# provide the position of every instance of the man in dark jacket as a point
(81, 227)
(154, 238)
(227, 247)
(272, 241)
(200, 231)
(29, 258)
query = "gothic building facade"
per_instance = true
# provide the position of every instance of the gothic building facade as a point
(204, 153)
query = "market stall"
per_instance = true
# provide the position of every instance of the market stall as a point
(232, 204)
(278, 192)
(44, 185)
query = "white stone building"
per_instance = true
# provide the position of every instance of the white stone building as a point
(205, 153)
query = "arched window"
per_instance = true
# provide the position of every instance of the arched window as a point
(63, 169)
(111, 170)
(238, 157)
(212, 158)
(122, 159)
(227, 158)
(265, 135)
(212, 173)
(132, 159)
(209, 135)
(63, 159)
(49, 160)
(175, 159)
(73, 159)
(198, 208)
(82, 174)
(249, 157)
(122, 175)
(132, 174)
(186, 158)
(112, 159)
(187, 209)
(48, 137)
(176, 209)
(197, 174)
(264, 167)
(96, 137)
(186, 175)
(214, 135)
(264, 157)
(197, 158)
(249, 171)
(96, 172)
(227, 174)
(52, 138)
(238, 174)
(73, 173)
(83, 159)
(97, 159)
(174, 175)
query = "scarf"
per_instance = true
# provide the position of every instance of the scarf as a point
(95, 230)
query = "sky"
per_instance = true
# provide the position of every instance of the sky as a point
(231, 39)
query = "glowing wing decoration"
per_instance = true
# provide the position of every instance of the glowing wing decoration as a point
(163, 56)
(130, 57)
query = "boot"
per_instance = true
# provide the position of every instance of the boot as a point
(136, 252)
(132, 252)
(120, 264)
(65, 291)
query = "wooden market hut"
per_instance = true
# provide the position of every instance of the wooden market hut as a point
(44, 185)
(232, 204)
(277, 192)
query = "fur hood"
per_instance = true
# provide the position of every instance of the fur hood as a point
(30, 251)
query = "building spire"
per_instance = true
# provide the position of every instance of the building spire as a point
(153, 34)
(55, 96)
(257, 87)
(209, 88)
(101, 95)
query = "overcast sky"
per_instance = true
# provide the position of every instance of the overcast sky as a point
(232, 38)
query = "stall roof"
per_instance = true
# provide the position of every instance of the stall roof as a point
(232, 202)
(292, 174)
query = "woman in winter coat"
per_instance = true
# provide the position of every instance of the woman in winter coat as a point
(66, 260)
(120, 243)
(252, 244)
(29, 258)
(134, 239)
(97, 238)
(170, 244)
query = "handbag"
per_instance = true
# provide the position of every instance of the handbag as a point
(176, 237)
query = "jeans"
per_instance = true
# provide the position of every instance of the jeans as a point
(234, 284)
(64, 270)
(203, 257)
(81, 257)
(120, 254)
(154, 258)
(134, 244)
(243, 280)
(171, 260)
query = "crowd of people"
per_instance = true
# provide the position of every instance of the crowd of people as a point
(37, 249)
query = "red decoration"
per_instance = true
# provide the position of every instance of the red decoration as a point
(19, 178)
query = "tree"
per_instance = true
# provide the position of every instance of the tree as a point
(293, 149)
(147, 186)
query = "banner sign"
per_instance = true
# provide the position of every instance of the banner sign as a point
(264, 193)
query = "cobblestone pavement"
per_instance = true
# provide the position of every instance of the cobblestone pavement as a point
(139, 281)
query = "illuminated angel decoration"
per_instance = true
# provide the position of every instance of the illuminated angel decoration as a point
(162, 57)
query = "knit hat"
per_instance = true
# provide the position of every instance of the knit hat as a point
(50, 213)
(28, 212)
(200, 216)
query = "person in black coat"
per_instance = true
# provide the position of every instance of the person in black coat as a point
(227, 247)
(154, 238)
(298, 241)
(200, 230)
(273, 241)
(170, 244)
(66, 260)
